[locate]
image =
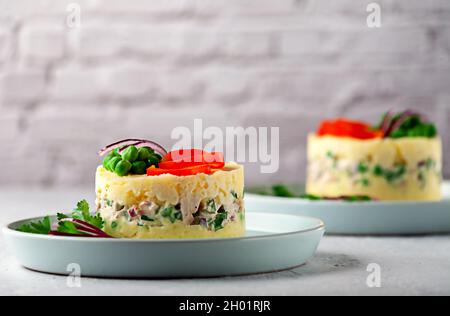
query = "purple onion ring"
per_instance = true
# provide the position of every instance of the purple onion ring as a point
(133, 142)
(403, 117)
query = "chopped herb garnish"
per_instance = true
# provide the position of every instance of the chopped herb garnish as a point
(333, 157)
(363, 167)
(147, 218)
(364, 182)
(167, 212)
(390, 175)
(172, 214)
(218, 221)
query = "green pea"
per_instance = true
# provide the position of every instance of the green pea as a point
(115, 152)
(130, 154)
(432, 131)
(144, 154)
(113, 163)
(139, 167)
(153, 160)
(107, 160)
(123, 168)
(149, 150)
(414, 132)
(398, 133)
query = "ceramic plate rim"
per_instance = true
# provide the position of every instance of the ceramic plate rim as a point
(296, 200)
(9, 230)
(344, 203)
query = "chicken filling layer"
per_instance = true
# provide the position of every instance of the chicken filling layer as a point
(331, 168)
(207, 213)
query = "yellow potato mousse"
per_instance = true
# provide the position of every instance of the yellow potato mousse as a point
(169, 206)
(381, 168)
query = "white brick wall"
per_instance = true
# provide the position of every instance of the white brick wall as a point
(36, 39)
(21, 85)
(140, 68)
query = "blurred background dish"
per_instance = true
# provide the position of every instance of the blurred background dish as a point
(356, 215)
(398, 159)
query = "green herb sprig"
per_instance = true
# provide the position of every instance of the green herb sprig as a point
(281, 190)
(79, 223)
(42, 227)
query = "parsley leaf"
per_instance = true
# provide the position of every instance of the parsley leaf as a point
(82, 213)
(42, 227)
(68, 228)
(66, 224)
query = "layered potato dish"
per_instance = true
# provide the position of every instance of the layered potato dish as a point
(182, 194)
(399, 159)
(169, 206)
(143, 191)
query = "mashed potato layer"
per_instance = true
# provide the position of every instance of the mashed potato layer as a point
(385, 169)
(168, 206)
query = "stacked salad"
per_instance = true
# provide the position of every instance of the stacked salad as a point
(400, 158)
(131, 196)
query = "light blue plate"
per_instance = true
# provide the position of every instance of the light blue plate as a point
(274, 242)
(364, 218)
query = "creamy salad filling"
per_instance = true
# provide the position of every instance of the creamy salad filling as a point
(207, 213)
(331, 169)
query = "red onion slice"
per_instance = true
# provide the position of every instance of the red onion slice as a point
(115, 145)
(403, 117)
(87, 228)
(133, 142)
(136, 144)
(386, 122)
(57, 233)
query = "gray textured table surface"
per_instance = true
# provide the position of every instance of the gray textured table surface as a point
(409, 265)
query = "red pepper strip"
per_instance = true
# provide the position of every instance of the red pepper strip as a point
(190, 171)
(182, 164)
(182, 154)
(194, 155)
(347, 128)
